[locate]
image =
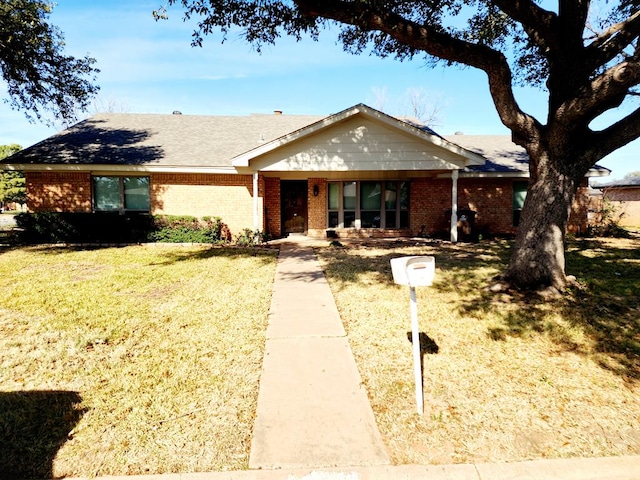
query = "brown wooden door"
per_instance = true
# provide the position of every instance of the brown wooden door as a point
(293, 194)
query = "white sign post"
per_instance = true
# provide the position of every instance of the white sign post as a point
(415, 271)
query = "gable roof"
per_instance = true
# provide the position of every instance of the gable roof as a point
(367, 114)
(118, 139)
(224, 143)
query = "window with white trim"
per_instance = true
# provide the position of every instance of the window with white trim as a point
(368, 204)
(121, 194)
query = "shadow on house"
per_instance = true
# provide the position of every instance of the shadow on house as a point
(95, 141)
(33, 427)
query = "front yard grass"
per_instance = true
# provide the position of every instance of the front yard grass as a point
(146, 359)
(133, 360)
(507, 377)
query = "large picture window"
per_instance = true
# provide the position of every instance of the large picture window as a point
(121, 194)
(368, 204)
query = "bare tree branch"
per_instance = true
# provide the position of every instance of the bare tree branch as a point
(613, 41)
(436, 43)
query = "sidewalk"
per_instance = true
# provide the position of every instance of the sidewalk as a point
(312, 408)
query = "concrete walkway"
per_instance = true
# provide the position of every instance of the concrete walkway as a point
(312, 408)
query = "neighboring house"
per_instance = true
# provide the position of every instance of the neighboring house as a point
(624, 196)
(358, 172)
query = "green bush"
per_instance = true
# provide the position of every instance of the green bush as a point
(250, 237)
(187, 229)
(66, 227)
(56, 227)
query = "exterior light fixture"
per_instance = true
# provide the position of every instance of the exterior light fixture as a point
(316, 190)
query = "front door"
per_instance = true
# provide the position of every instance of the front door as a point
(293, 194)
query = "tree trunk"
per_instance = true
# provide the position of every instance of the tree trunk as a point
(538, 259)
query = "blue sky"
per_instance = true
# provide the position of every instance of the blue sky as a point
(150, 67)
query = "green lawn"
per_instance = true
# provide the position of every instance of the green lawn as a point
(507, 377)
(146, 359)
(142, 359)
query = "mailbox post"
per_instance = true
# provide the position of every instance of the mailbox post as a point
(414, 271)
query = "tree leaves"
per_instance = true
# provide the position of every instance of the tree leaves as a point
(40, 78)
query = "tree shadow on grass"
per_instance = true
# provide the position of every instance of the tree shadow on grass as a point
(604, 308)
(177, 254)
(33, 427)
(169, 253)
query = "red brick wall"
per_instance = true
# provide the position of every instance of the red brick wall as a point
(429, 200)
(58, 191)
(579, 217)
(317, 207)
(273, 216)
(491, 199)
(229, 197)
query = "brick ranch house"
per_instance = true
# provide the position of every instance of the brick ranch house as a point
(624, 196)
(358, 172)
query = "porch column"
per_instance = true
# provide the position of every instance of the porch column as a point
(454, 206)
(256, 210)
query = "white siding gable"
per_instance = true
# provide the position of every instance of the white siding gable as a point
(358, 143)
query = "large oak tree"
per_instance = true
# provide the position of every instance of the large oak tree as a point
(41, 80)
(585, 55)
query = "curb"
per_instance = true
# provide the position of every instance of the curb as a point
(606, 468)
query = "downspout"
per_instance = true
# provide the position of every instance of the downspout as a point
(256, 210)
(454, 206)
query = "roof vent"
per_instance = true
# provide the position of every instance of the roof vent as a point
(177, 112)
(277, 112)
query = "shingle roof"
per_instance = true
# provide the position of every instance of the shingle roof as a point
(152, 139)
(213, 141)
(624, 183)
(503, 156)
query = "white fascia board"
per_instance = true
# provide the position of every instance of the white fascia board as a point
(244, 159)
(591, 173)
(489, 175)
(27, 167)
(598, 172)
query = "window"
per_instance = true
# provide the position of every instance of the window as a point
(121, 194)
(369, 204)
(519, 194)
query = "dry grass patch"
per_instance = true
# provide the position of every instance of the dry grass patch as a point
(506, 377)
(130, 360)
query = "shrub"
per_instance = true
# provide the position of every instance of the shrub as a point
(66, 227)
(56, 227)
(250, 237)
(187, 229)
(607, 223)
